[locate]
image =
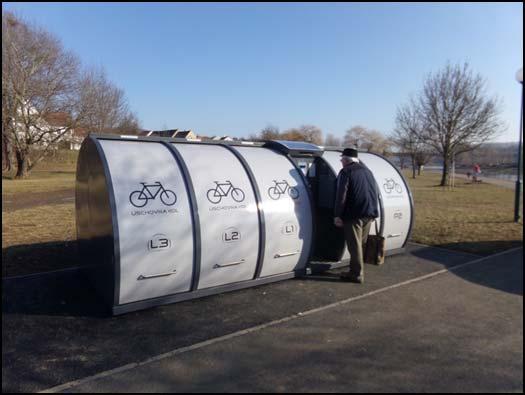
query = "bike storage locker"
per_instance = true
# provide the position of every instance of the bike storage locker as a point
(166, 220)
(395, 204)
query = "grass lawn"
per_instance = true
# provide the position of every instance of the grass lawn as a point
(38, 239)
(40, 181)
(477, 218)
(472, 218)
(39, 224)
(52, 174)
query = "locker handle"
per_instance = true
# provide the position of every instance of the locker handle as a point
(217, 266)
(146, 277)
(285, 255)
(395, 235)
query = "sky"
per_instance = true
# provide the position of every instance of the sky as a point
(233, 69)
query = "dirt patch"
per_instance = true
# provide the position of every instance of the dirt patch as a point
(28, 200)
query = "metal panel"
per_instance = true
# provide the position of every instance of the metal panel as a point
(294, 148)
(196, 224)
(260, 212)
(228, 214)
(287, 210)
(96, 227)
(396, 200)
(394, 193)
(154, 217)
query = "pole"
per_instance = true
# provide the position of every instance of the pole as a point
(518, 180)
(453, 169)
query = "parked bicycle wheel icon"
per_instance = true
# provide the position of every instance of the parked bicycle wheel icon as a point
(150, 192)
(391, 185)
(223, 189)
(280, 188)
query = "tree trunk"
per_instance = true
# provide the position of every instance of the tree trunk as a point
(413, 168)
(419, 167)
(6, 160)
(22, 162)
(445, 174)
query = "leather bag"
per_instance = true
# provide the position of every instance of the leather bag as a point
(375, 248)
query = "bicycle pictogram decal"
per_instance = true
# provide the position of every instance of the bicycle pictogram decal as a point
(391, 185)
(222, 190)
(150, 192)
(280, 188)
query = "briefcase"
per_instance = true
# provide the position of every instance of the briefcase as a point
(375, 248)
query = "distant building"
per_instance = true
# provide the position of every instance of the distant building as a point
(222, 138)
(185, 134)
(172, 133)
(72, 139)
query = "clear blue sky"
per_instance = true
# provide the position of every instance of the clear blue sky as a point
(236, 68)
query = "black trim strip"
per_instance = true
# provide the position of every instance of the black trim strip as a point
(197, 244)
(260, 210)
(114, 219)
(382, 212)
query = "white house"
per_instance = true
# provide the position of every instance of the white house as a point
(72, 139)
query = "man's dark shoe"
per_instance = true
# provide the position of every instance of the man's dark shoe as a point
(352, 279)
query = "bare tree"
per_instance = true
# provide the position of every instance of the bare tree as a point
(308, 133)
(38, 79)
(270, 132)
(108, 110)
(41, 80)
(354, 136)
(292, 134)
(332, 141)
(129, 124)
(7, 145)
(311, 134)
(457, 115)
(361, 137)
(422, 158)
(406, 136)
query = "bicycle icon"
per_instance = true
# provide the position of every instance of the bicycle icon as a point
(150, 192)
(223, 189)
(280, 188)
(390, 185)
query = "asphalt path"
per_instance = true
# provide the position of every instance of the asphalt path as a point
(308, 334)
(448, 333)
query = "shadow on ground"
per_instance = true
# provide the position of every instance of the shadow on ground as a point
(483, 248)
(512, 282)
(67, 293)
(27, 259)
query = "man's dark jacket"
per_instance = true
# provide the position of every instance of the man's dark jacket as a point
(357, 194)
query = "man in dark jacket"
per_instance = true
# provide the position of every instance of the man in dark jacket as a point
(356, 206)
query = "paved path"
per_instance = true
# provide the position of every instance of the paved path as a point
(54, 329)
(454, 330)
(449, 333)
